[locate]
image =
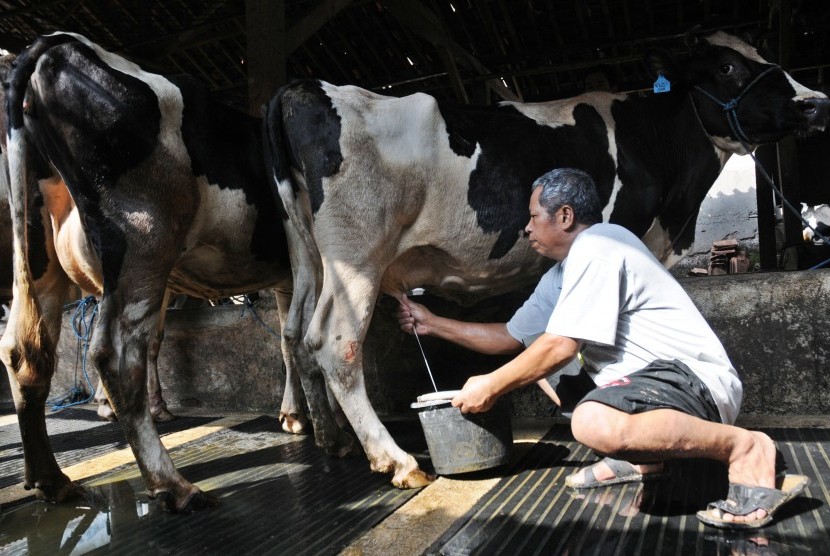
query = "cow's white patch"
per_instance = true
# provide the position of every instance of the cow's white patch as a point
(727, 145)
(136, 311)
(720, 38)
(659, 241)
(557, 113)
(802, 92)
(140, 220)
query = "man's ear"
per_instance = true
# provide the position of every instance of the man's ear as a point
(567, 216)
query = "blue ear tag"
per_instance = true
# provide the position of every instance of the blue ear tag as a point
(662, 85)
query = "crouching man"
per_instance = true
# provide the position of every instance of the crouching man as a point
(656, 383)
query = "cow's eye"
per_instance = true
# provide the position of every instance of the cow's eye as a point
(726, 69)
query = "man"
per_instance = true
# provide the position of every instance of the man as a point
(656, 382)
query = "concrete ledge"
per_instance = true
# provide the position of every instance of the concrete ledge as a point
(213, 357)
(775, 327)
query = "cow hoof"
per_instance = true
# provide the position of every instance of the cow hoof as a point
(342, 446)
(199, 501)
(59, 490)
(293, 423)
(162, 415)
(105, 412)
(413, 479)
(194, 501)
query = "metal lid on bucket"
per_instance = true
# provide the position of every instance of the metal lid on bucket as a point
(434, 399)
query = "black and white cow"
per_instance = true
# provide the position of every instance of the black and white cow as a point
(387, 194)
(59, 238)
(169, 190)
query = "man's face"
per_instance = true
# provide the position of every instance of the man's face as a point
(546, 233)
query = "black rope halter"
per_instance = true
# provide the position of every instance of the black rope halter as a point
(730, 108)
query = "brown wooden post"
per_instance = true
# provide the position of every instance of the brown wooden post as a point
(267, 54)
(787, 157)
(765, 200)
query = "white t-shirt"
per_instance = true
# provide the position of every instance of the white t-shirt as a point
(627, 311)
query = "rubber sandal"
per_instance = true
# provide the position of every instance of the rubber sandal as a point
(624, 472)
(744, 499)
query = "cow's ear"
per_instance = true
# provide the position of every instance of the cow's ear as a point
(660, 62)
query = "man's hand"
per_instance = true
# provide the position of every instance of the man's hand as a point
(477, 396)
(412, 316)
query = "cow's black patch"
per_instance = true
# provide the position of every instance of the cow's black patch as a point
(666, 164)
(312, 128)
(94, 123)
(225, 146)
(515, 150)
(38, 259)
(100, 122)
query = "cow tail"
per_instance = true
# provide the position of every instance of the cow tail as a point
(276, 155)
(306, 267)
(285, 189)
(33, 352)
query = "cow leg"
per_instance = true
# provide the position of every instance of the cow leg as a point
(28, 352)
(307, 272)
(337, 331)
(119, 349)
(104, 408)
(158, 407)
(339, 416)
(292, 417)
(327, 433)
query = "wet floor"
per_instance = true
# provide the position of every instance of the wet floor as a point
(278, 494)
(281, 495)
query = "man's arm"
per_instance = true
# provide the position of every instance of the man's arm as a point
(547, 354)
(490, 338)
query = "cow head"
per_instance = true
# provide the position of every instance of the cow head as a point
(741, 98)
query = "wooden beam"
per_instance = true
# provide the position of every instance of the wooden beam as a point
(312, 21)
(425, 23)
(265, 25)
(455, 77)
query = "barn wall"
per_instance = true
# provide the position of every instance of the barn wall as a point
(214, 357)
(775, 327)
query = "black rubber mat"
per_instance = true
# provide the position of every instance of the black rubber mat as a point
(76, 434)
(531, 511)
(279, 494)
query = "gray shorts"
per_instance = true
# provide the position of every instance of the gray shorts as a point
(663, 384)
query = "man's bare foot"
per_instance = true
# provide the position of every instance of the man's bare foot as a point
(755, 490)
(751, 463)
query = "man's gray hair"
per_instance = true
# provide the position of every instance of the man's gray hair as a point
(569, 186)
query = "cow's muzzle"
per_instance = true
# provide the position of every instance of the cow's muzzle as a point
(816, 111)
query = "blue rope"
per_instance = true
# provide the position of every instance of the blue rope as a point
(819, 265)
(248, 306)
(82, 321)
(731, 109)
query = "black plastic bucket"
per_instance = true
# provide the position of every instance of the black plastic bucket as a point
(459, 442)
